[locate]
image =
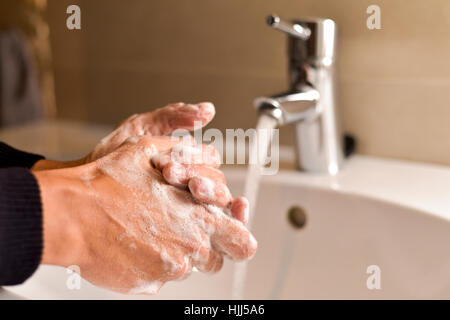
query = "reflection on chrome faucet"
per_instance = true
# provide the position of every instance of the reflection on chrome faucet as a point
(310, 103)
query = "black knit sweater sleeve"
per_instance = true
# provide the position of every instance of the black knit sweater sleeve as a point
(20, 216)
(10, 157)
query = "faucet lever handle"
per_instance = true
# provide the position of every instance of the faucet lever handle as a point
(293, 29)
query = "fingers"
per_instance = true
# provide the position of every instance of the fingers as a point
(162, 159)
(205, 259)
(206, 184)
(240, 209)
(179, 116)
(159, 144)
(187, 153)
(232, 238)
(209, 185)
(178, 174)
(196, 154)
(184, 271)
(209, 262)
(160, 122)
(209, 191)
(142, 148)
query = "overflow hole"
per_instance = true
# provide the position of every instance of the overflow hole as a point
(296, 217)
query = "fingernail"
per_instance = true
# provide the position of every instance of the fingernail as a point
(240, 209)
(185, 154)
(206, 110)
(203, 187)
(252, 246)
(246, 210)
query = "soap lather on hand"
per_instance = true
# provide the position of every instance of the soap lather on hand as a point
(159, 202)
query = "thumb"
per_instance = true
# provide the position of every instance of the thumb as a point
(152, 145)
(180, 116)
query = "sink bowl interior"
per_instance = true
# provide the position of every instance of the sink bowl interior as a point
(328, 257)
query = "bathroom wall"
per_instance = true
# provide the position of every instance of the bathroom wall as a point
(29, 17)
(132, 56)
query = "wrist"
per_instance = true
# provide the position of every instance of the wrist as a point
(62, 198)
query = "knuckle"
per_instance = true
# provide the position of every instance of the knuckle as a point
(132, 117)
(135, 125)
(180, 269)
(129, 119)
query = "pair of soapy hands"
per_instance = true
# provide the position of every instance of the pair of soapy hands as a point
(143, 208)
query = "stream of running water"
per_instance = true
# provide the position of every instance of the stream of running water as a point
(259, 150)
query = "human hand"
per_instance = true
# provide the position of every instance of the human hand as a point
(160, 122)
(206, 183)
(130, 231)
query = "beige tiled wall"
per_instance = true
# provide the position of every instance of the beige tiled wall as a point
(134, 55)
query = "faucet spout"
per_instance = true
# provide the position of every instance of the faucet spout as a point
(292, 106)
(310, 105)
(293, 29)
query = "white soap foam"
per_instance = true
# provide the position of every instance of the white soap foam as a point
(168, 213)
(145, 287)
(186, 154)
(206, 189)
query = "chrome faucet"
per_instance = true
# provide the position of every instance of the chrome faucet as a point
(310, 103)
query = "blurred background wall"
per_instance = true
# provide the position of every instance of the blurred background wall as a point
(133, 56)
(28, 17)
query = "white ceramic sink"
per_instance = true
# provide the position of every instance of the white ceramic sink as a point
(392, 214)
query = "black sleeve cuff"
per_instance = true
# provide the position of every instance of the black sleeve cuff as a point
(21, 234)
(10, 157)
